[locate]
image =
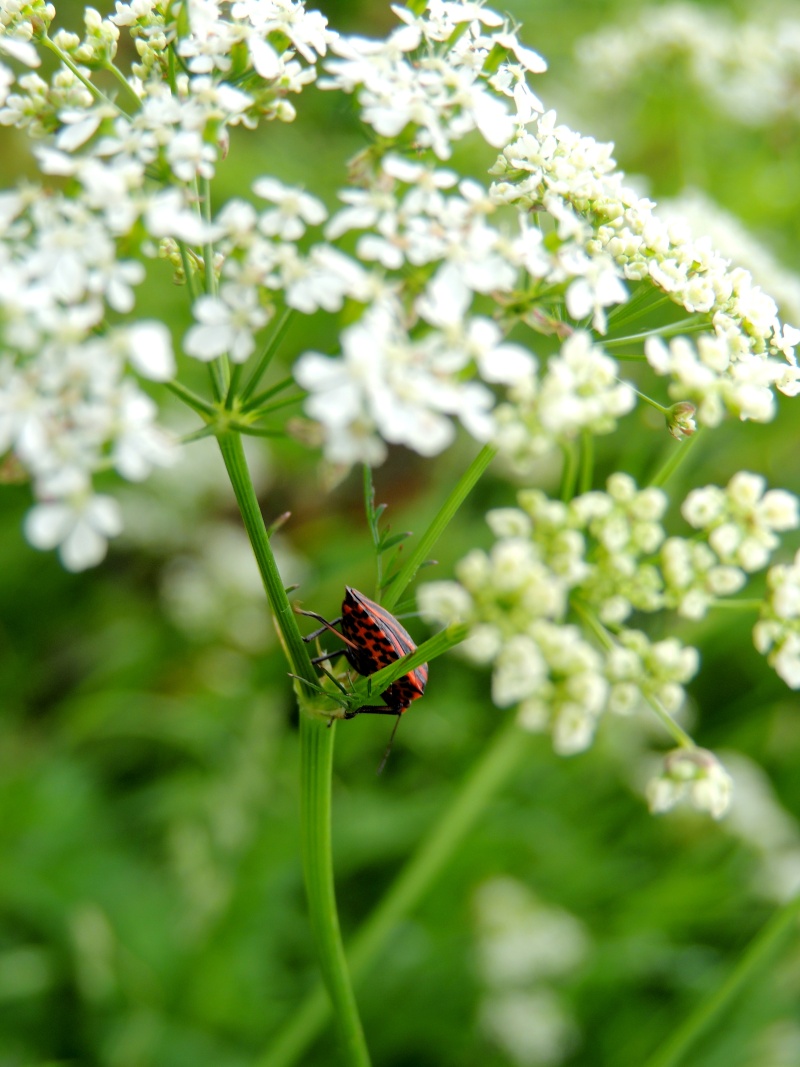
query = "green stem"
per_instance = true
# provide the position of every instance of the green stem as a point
(233, 385)
(586, 462)
(123, 81)
(678, 454)
(259, 412)
(569, 473)
(420, 552)
(98, 94)
(670, 725)
(743, 604)
(267, 394)
(191, 281)
(316, 758)
(316, 764)
(756, 956)
(278, 333)
(649, 400)
(202, 407)
(233, 455)
(693, 324)
(367, 688)
(608, 642)
(500, 759)
(198, 435)
(218, 368)
(255, 431)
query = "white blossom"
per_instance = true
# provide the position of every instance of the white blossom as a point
(743, 520)
(226, 323)
(694, 774)
(78, 524)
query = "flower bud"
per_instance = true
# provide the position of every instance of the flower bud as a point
(680, 420)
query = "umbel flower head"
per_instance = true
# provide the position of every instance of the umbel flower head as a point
(591, 558)
(432, 269)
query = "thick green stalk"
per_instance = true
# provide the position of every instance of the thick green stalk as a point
(316, 764)
(754, 958)
(501, 758)
(233, 454)
(316, 760)
(419, 553)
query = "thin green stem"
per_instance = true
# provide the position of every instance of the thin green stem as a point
(278, 333)
(679, 735)
(316, 765)
(284, 383)
(743, 604)
(368, 487)
(569, 472)
(255, 431)
(420, 552)
(98, 94)
(197, 403)
(197, 435)
(123, 81)
(257, 412)
(649, 400)
(429, 650)
(219, 368)
(586, 462)
(678, 454)
(191, 281)
(756, 956)
(608, 642)
(233, 385)
(233, 455)
(500, 759)
(693, 324)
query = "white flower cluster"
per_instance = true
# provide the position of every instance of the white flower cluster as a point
(742, 521)
(68, 409)
(455, 68)
(748, 69)
(732, 239)
(516, 598)
(777, 633)
(693, 774)
(177, 125)
(407, 365)
(578, 390)
(420, 217)
(694, 577)
(707, 375)
(657, 670)
(574, 179)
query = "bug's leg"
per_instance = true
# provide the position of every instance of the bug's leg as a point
(325, 624)
(389, 746)
(374, 709)
(326, 655)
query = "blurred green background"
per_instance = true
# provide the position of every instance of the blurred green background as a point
(151, 906)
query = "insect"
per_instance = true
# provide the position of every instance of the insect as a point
(374, 639)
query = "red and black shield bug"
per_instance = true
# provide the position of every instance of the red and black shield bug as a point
(373, 639)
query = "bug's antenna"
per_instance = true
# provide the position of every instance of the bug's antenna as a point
(389, 746)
